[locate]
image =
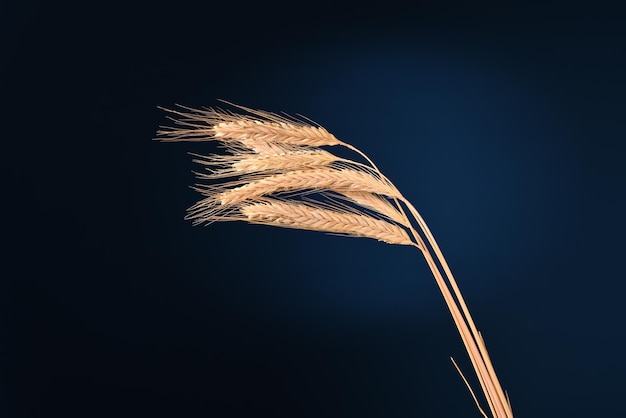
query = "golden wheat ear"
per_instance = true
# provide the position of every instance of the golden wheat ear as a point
(282, 171)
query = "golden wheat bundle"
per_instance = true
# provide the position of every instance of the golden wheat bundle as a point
(281, 171)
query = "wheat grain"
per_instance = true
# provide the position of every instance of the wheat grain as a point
(301, 216)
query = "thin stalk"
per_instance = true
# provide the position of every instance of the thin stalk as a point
(472, 339)
(474, 344)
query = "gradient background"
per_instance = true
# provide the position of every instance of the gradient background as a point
(503, 124)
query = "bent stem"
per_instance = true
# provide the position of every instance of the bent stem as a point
(471, 337)
(497, 400)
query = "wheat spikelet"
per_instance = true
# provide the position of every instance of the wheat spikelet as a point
(302, 216)
(263, 147)
(273, 154)
(300, 160)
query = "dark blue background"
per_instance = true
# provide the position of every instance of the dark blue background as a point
(503, 124)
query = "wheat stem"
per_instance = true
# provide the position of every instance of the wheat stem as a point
(469, 388)
(470, 335)
(496, 398)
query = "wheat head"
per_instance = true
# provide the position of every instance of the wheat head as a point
(313, 218)
(277, 172)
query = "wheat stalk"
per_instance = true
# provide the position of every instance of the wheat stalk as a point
(282, 177)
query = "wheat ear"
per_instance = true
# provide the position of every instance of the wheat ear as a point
(306, 216)
(206, 124)
(303, 179)
(282, 177)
